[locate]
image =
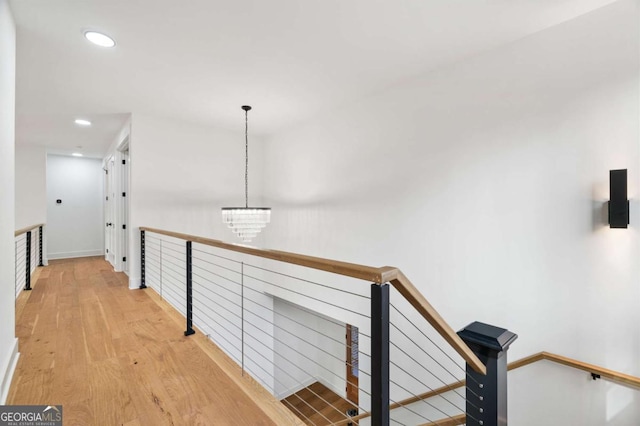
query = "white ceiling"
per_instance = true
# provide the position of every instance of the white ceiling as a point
(199, 60)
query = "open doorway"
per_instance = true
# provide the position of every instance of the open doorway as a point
(352, 365)
(124, 208)
(109, 211)
(116, 207)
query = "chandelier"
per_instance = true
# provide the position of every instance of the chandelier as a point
(246, 222)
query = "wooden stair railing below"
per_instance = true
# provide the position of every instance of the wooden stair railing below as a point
(611, 375)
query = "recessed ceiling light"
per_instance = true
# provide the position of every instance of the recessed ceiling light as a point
(77, 154)
(99, 39)
(81, 122)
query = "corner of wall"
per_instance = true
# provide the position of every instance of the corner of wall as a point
(7, 369)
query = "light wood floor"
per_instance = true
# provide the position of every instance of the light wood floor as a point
(318, 405)
(113, 356)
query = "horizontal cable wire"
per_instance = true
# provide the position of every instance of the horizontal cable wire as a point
(306, 326)
(217, 255)
(171, 249)
(169, 282)
(175, 292)
(217, 294)
(237, 315)
(409, 409)
(204, 312)
(181, 266)
(309, 297)
(432, 342)
(421, 365)
(299, 353)
(174, 297)
(299, 338)
(179, 275)
(290, 406)
(226, 329)
(217, 343)
(216, 265)
(166, 257)
(296, 395)
(428, 387)
(307, 281)
(217, 275)
(291, 362)
(167, 241)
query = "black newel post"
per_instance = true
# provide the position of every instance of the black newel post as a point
(142, 265)
(40, 247)
(380, 355)
(28, 262)
(189, 331)
(487, 395)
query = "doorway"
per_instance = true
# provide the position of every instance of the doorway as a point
(109, 212)
(352, 364)
(116, 207)
(124, 209)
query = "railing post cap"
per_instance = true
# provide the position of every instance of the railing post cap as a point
(487, 336)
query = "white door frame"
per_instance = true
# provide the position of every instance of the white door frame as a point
(123, 230)
(109, 211)
(117, 211)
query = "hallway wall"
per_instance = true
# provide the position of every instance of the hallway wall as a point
(182, 174)
(31, 185)
(75, 228)
(8, 341)
(485, 182)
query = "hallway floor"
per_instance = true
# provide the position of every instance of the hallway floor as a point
(114, 356)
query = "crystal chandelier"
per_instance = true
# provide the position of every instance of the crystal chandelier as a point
(246, 222)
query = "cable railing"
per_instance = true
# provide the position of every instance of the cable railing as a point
(28, 255)
(331, 349)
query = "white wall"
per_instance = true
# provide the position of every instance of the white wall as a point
(304, 354)
(8, 341)
(75, 227)
(31, 185)
(484, 182)
(182, 174)
(120, 214)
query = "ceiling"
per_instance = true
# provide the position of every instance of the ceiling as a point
(199, 60)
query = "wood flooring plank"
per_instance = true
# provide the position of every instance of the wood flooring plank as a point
(111, 355)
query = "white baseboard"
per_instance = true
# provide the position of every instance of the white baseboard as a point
(297, 388)
(340, 392)
(74, 254)
(7, 370)
(134, 283)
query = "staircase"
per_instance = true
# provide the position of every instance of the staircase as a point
(318, 405)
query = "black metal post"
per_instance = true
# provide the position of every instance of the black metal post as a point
(142, 266)
(189, 330)
(487, 394)
(40, 247)
(28, 262)
(380, 355)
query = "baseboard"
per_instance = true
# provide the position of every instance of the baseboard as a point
(74, 254)
(134, 283)
(282, 395)
(7, 370)
(340, 392)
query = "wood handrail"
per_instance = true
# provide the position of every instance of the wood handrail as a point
(420, 303)
(27, 229)
(367, 273)
(460, 419)
(611, 375)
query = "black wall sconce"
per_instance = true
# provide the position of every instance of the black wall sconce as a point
(618, 202)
